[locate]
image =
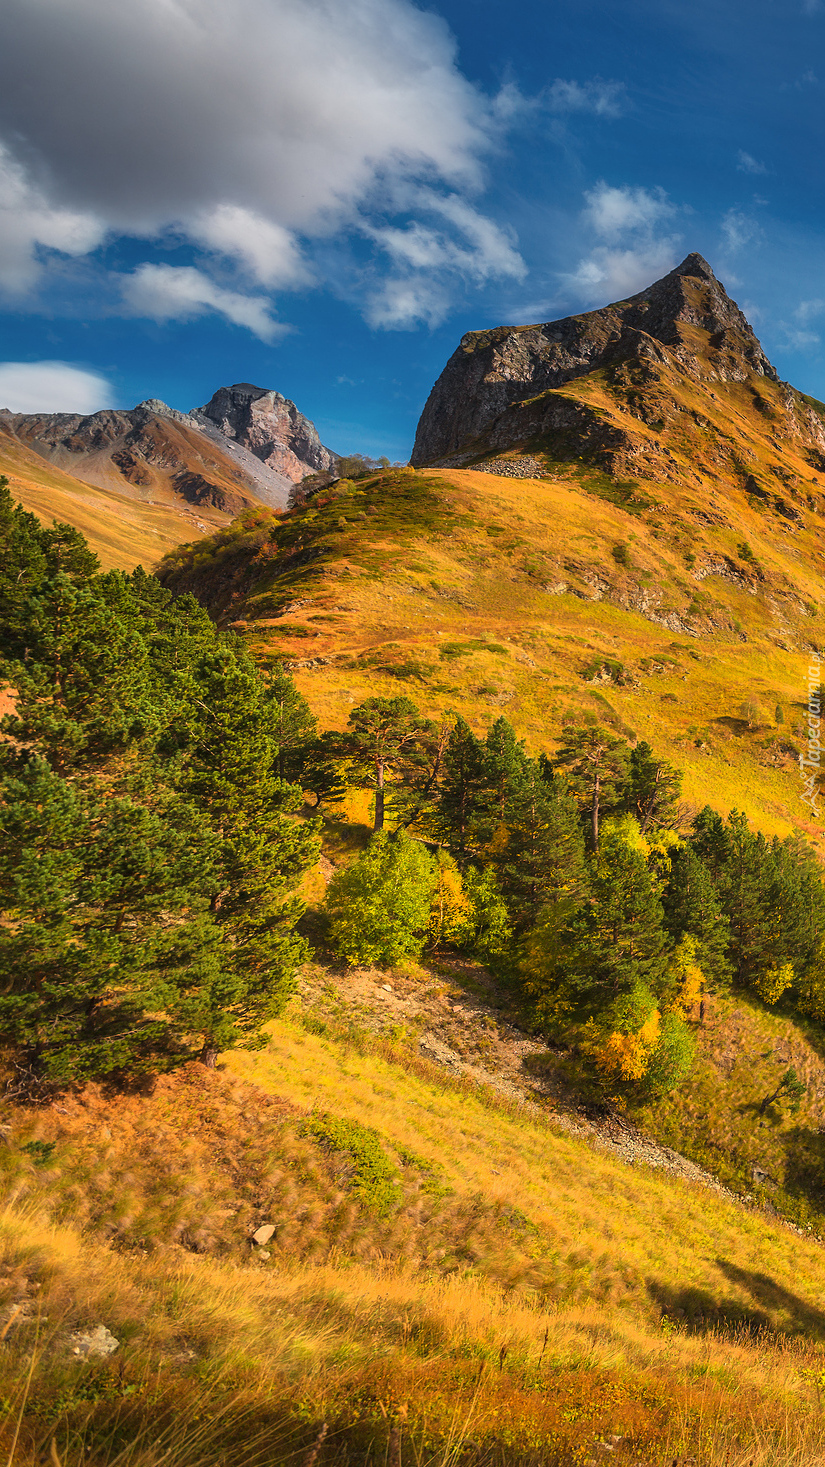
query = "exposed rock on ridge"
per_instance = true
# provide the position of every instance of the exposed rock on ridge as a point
(686, 320)
(270, 427)
(151, 453)
(247, 445)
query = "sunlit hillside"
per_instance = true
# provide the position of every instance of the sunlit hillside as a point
(683, 614)
(448, 1279)
(123, 532)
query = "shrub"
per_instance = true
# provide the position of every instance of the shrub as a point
(489, 931)
(375, 1180)
(451, 912)
(379, 907)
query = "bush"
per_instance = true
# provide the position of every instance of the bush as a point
(379, 907)
(489, 934)
(375, 1180)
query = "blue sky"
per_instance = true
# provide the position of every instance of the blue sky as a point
(321, 196)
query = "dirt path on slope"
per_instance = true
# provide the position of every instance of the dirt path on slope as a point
(453, 1011)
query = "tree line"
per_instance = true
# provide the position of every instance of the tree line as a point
(156, 794)
(575, 874)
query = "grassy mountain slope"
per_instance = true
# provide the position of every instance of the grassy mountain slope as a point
(686, 617)
(460, 1282)
(123, 531)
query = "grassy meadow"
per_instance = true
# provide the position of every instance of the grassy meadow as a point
(483, 594)
(450, 1280)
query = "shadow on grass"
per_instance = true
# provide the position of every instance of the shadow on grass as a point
(768, 1306)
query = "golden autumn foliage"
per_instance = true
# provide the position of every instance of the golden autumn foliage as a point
(451, 910)
(627, 1056)
(771, 985)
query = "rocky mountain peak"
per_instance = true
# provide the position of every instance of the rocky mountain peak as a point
(269, 426)
(686, 319)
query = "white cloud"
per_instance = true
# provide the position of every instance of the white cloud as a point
(270, 253)
(252, 128)
(802, 340)
(739, 230)
(29, 223)
(632, 251)
(614, 211)
(612, 275)
(401, 302)
(603, 99)
(808, 310)
(561, 98)
(52, 387)
(180, 293)
(748, 164)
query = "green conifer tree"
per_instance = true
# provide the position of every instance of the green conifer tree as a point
(504, 762)
(295, 726)
(542, 860)
(596, 762)
(692, 907)
(653, 789)
(462, 790)
(387, 742)
(620, 934)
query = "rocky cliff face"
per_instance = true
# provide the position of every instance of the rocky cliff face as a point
(270, 427)
(247, 445)
(496, 390)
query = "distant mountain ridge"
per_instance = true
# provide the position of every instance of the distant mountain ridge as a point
(248, 445)
(507, 386)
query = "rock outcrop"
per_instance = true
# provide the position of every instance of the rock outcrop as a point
(493, 392)
(270, 427)
(152, 453)
(247, 445)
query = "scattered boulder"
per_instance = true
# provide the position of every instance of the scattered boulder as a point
(263, 1234)
(97, 1342)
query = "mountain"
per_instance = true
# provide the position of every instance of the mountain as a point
(615, 386)
(546, 579)
(270, 427)
(394, 1232)
(167, 476)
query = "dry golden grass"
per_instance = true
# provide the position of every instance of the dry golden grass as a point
(123, 532)
(469, 612)
(528, 1299)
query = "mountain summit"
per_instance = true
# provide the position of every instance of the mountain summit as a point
(491, 394)
(271, 427)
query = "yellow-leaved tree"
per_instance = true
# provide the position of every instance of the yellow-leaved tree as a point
(451, 911)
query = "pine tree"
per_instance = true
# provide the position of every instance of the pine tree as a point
(621, 936)
(653, 788)
(597, 765)
(22, 568)
(104, 923)
(542, 860)
(150, 851)
(711, 841)
(505, 758)
(692, 908)
(295, 726)
(462, 790)
(83, 689)
(386, 742)
(745, 896)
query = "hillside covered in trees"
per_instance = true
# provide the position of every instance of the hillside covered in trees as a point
(165, 806)
(157, 790)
